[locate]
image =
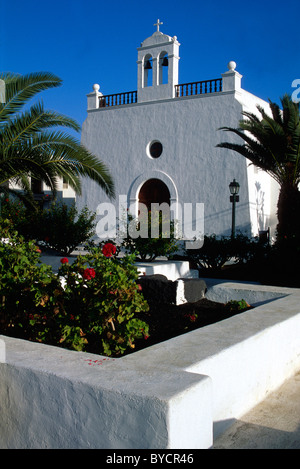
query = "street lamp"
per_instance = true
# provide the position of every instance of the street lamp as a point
(234, 188)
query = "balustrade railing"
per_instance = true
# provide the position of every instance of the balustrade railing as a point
(118, 99)
(186, 89)
(198, 87)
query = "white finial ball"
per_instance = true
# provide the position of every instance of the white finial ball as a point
(231, 65)
(96, 87)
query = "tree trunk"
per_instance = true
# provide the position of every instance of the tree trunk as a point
(288, 212)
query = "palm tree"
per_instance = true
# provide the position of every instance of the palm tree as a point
(32, 144)
(272, 143)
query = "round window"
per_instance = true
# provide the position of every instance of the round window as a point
(155, 149)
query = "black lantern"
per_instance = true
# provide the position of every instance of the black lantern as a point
(234, 188)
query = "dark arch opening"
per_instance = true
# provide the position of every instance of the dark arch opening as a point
(163, 68)
(154, 191)
(148, 75)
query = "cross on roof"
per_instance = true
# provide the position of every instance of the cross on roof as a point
(158, 24)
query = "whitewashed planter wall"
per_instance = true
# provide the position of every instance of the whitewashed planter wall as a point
(177, 394)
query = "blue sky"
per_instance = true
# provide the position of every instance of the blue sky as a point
(87, 41)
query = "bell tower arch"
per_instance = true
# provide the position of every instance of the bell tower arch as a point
(164, 51)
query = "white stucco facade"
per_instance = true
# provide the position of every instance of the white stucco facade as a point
(190, 165)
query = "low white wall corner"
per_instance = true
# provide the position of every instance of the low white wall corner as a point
(59, 399)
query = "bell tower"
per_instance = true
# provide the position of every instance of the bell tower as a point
(158, 59)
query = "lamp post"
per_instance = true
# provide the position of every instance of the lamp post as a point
(234, 188)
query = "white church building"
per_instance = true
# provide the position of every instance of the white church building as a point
(159, 142)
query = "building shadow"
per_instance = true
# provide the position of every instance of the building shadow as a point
(248, 435)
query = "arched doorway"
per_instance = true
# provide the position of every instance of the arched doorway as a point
(142, 186)
(154, 208)
(154, 191)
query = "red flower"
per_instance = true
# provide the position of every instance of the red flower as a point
(192, 317)
(109, 249)
(64, 260)
(88, 274)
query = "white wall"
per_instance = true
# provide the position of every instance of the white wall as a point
(188, 129)
(168, 396)
(263, 189)
(68, 194)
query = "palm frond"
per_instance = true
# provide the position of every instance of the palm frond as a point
(59, 153)
(30, 148)
(272, 142)
(19, 89)
(32, 121)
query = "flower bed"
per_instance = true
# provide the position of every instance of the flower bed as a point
(93, 302)
(166, 321)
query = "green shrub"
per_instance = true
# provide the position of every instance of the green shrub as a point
(215, 251)
(26, 289)
(101, 301)
(213, 254)
(14, 213)
(148, 248)
(91, 305)
(60, 227)
(235, 306)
